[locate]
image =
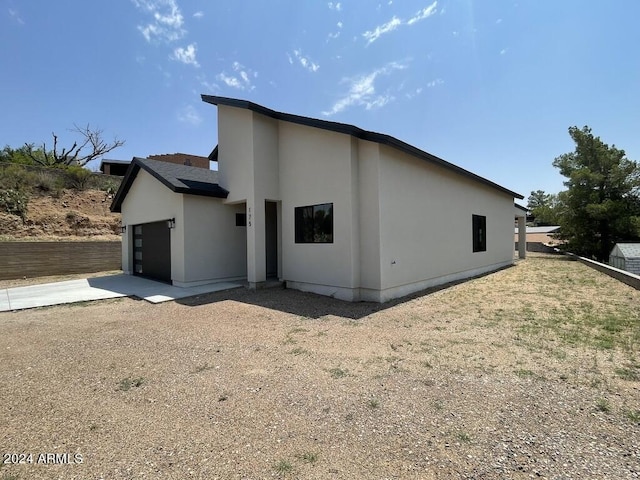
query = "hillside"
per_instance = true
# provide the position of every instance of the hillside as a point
(68, 215)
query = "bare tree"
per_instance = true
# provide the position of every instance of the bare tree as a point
(90, 147)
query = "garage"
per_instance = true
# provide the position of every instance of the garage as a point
(152, 251)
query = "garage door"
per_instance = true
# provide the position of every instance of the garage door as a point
(152, 251)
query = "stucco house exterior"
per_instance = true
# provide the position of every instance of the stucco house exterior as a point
(322, 206)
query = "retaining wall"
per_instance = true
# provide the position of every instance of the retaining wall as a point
(38, 259)
(622, 275)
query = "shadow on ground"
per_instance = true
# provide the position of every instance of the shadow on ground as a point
(310, 305)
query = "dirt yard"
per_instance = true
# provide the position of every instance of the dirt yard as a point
(531, 372)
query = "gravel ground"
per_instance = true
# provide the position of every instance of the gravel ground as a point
(453, 383)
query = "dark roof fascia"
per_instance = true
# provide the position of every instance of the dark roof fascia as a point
(524, 209)
(355, 132)
(132, 172)
(213, 156)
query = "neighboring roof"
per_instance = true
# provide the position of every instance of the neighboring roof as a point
(182, 159)
(112, 162)
(355, 132)
(548, 229)
(178, 178)
(629, 250)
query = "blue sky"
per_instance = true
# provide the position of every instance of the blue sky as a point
(491, 86)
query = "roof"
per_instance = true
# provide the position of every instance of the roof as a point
(182, 159)
(629, 250)
(355, 132)
(520, 207)
(547, 229)
(112, 162)
(178, 178)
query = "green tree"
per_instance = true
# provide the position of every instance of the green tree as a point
(602, 200)
(545, 208)
(17, 155)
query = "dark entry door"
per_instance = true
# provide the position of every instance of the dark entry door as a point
(152, 251)
(271, 237)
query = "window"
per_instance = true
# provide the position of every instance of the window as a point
(314, 224)
(479, 233)
(241, 219)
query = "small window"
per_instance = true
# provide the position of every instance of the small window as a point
(479, 233)
(314, 224)
(241, 219)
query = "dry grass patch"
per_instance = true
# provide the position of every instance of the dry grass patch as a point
(531, 371)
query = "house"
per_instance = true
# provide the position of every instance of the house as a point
(540, 239)
(322, 206)
(626, 256)
(119, 167)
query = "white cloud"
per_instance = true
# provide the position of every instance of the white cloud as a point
(373, 35)
(241, 79)
(167, 20)
(306, 62)
(424, 13)
(189, 115)
(198, 15)
(16, 16)
(335, 6)
(210, 86)
(390, 26)
(186, 55)
(362, 90)
(434, 83)
(335, 35)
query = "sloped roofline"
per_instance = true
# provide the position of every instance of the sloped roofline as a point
(355, 132)
(140, 163)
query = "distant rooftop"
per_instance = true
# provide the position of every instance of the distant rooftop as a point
(629, 250)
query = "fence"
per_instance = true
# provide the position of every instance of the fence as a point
(38, 259)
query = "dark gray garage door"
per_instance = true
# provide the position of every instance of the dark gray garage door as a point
(152, 251)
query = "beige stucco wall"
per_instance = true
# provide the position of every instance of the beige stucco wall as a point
(214, 246)
(150, 201)
(400, 223)
(205, 243)
(433, 209)
(316, 167)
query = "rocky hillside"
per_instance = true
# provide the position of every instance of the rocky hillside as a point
(68, 214)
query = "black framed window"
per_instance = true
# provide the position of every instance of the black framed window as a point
(479, 233)
(241, 219)
(314, 223)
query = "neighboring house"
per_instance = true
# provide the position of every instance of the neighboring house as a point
(540, 239)
(119, 167)
(323, 206)
(626, 256)
(114, 167)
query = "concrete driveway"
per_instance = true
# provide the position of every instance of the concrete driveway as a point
(99, 288)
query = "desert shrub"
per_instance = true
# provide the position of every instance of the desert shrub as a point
(109, 187)
(78, 178)
(16, 177)
(14, 201)
(45, 181)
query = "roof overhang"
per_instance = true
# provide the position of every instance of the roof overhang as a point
(355, 132)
